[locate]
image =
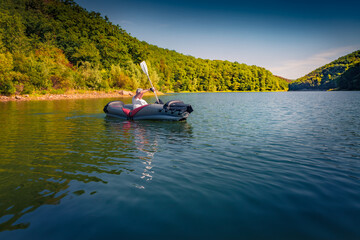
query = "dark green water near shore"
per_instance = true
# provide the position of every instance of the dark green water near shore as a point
(280, 165)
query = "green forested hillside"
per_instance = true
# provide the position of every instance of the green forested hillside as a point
(329, 75)
(350, 80)
(53, 45)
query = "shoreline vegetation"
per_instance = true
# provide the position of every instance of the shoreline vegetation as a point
(48, 48)
(53, 46)
(89, 94)
(72, 94)
(341, 74)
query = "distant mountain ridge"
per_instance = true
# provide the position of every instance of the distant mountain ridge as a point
(286, 79)
(329, 76)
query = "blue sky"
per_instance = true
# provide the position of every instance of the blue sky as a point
(289, 38)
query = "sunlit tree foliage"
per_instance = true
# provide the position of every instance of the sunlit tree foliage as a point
(56, 44)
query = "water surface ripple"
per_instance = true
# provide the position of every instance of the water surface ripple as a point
(243, 166)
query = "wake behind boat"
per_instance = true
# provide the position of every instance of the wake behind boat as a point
(173, 110)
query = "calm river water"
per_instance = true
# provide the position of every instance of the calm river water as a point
(280, 165)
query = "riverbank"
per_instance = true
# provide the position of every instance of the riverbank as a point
(82, 94)
(73, 94)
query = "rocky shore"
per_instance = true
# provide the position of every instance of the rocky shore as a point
(68, 95)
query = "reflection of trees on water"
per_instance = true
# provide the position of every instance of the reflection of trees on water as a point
(38, 163)
(39, 160)
(41, 174)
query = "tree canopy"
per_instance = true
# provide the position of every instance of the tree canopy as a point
(350, 79)
(47, 45)
(329, 76)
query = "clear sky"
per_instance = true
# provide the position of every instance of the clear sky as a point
(289, 38)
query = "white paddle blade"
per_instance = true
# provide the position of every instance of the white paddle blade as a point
(144, 67)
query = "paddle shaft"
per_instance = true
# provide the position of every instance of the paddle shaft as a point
(153, 88)
(144, 68)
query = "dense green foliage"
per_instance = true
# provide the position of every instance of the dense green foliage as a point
(47, 45)
(329, 76)
(350, 80)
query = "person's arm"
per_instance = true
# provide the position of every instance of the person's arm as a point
(141, 94)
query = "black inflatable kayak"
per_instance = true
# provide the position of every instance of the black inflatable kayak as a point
(173, 110)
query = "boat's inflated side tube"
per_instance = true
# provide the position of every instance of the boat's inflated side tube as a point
(117, 108)
(120, 103)
(179, 106)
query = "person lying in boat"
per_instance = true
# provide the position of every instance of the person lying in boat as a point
(137, 100)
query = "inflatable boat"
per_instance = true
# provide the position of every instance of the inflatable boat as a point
(173, 110)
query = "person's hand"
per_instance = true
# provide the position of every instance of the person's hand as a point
(152, 89)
